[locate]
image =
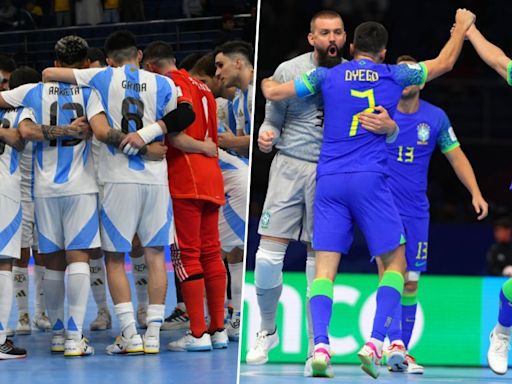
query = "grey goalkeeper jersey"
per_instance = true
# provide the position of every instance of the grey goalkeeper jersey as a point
(297, 123)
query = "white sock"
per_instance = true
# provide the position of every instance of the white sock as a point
(124, 313)
(98, 280)
(78, 294)
(237, 276)
(40, 306)
(140, 279)
(501, 329)
(6, 289)
(54, 291)
(20, 278)
(378, 344)
(155, 318)
(310, 276)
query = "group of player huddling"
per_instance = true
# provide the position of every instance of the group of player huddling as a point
(357, 164)
(103, 160)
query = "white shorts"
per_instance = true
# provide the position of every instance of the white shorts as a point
(67, 222)
(11, 215)
(28, 229)
(129, 209)
(235, 172)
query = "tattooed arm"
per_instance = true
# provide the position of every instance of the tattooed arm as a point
(78, 129)
(12, 137)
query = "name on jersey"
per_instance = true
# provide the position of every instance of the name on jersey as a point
(137, 87)
(361, 75)
(54, 90)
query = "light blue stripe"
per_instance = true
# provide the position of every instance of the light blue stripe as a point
(64, 154)
(119, 242)
(236, 223)
(46, 245)
(34, 100)
(8, 232)
(163, 96)
(1, 326)
(101, 82)
(58, 326)
(132, 74)
(72, 325)
(226, 166)
(85, 237)
(162, 236)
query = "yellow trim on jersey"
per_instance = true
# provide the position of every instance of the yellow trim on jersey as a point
(425, 72)
(451, 148)
(509, 73)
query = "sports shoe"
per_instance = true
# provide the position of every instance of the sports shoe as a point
(9, 332)
(178, 319)
(23, 325)
(73, 347)
(370, 358)
(151, 344)
(308, 371)
(321, 361)
(123, 346)
(58, 341)
(142, 313)
(233, 327)
(41, 322)
(396, 357)
(103, 320)
(497, 356)
(9, 351)
(219, 339)
(258, 354)
(190, 343)
(412, 367)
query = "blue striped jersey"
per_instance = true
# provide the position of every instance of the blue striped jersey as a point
(62, 167)
(132, 98)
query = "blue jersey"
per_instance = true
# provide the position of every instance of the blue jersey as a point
(409, 156)
(349, 89)
(62, 167)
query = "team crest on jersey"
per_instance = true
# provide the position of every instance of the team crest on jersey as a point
(265, 218)
(423, 133)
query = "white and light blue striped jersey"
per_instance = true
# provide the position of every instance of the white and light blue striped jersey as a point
(242, 105)
(62, 167)
(132, 98)
(27, 171)
(10, 177)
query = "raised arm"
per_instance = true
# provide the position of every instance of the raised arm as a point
(446, 59)
(78, 129)
(466, 175)
(65, 75)
(493, 56)
(276, 91)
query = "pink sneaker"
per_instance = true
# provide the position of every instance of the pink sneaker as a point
(321, 361)
(370, 359)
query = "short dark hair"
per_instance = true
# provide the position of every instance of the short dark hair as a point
(324, 14)
(7, 63)
(120, 45)
(370, 37)
(71, 50)
(205, 65)
(405, 58)
(24, 75)
(189, 61)
(158, 50)
(96, 54)
(237, 47)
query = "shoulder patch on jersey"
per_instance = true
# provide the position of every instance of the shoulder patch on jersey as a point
(423, 130)
(451, 132)
(414, 66)
(265, 218)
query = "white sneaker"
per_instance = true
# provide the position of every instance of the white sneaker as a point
(258, 354)
(142, 314)
(151, 344)
(219, 339)
(78, 348)
(396, 357)
(191, 344)
(233, 327)
(370, 359)
(122, 346)
(10, 332)
(41, 322)
(497, 356)
(412, 367)
(23, 325)
(321, 361)
(308, 371)
(103, 320)
(58, 341)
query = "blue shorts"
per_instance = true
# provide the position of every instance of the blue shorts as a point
(363, 197)
(416, 249)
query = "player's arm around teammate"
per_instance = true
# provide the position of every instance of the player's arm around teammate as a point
(13, 138)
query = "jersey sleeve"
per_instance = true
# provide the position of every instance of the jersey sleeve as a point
(25, 113)
(509, 73)
(446, 139)
(17, 97)
(310, 83)
(94, 105)
(184, 94)
(409, 74)
(172, 101)
(87, 77)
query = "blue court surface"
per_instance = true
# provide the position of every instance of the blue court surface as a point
(40, 366)
(292, 373)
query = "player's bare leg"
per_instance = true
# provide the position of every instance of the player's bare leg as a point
(130, 341)
(98, 279)
(235, 260)
(140, 279)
